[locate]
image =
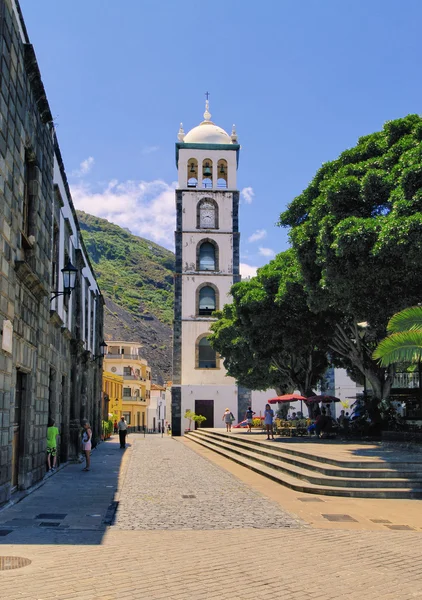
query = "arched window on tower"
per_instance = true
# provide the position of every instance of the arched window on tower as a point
(207, 258)
(207, 303)
(207, 173)
(207, 214)
(206, 355)
(222, 174)
(192, 177)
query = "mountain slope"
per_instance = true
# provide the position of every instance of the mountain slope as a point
(136, 279)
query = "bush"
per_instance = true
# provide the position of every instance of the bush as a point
(256, 422)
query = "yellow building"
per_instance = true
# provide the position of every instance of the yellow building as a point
(124, 359)
(112, 395)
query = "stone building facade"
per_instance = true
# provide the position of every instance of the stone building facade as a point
(47, 346)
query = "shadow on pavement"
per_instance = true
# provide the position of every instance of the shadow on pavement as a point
(72, 507)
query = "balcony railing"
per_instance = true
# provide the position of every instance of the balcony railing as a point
(112, 356)
(133, 399)
(406, 380)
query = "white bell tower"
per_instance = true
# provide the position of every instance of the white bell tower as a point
(207, 264)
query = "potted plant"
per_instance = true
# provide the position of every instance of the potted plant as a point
(189, 414)
(199, 419)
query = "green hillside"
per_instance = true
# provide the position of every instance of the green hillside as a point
(136, 280)
(132, 271)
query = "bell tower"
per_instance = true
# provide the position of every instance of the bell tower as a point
(207, 264)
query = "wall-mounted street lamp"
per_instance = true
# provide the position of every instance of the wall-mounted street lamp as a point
(69, 281)
(103, 349)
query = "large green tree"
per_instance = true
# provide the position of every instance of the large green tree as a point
(357, 231)
(268, 336)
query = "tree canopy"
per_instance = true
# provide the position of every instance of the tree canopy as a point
(268, 336)
(357, 231)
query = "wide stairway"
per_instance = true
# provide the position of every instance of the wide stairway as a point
(304, 468)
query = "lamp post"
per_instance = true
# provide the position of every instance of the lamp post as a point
(69, 281)
(103, 347)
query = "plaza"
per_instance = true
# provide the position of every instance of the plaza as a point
(168, 519)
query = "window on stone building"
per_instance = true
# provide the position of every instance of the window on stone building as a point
(28, 198)
(92, 322)
(56, 258)
(86, 313)
(207, 257)
(127, 371)
(127, 392)
(207, 356)
(66, 297)
(207, 301)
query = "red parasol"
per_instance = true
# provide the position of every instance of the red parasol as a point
(322, 399)
(286, 398)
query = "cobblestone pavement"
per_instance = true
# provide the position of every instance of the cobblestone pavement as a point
(167, 486)
(230, 563)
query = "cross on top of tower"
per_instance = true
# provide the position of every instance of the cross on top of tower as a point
(207, 114)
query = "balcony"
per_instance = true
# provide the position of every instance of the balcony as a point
(111, 356)
(134, 399)
(406, 380)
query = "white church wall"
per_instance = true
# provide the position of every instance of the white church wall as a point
(191, 283)
(213, 156)
(225, 210)
(225, 250)
(223, 396)
(191, 330)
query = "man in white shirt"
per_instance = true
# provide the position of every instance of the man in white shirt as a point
(122, 427)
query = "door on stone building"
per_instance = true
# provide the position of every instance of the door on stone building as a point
(21, 379)
(206, 409)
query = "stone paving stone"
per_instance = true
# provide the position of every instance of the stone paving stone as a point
(168, 486)
(244, 563)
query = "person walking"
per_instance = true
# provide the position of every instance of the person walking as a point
(115, 428)
(52, 433)
(122, 432)
(249, 417)
(87, 445)
(228, 419)
(268, 421)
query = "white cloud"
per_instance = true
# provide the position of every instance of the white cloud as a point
(85, 167)
(247, 270)
(268, 252)
(258, 235)
(247, 194)
(147, 208)
(150, 149)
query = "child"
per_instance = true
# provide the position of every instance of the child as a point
(86, 445)
(52, 433)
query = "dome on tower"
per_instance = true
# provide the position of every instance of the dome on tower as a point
(206, 132)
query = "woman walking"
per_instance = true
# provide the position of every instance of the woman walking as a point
(268, 420)
(86, 445)
(228, 418)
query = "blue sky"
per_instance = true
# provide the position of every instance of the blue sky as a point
(302, 80)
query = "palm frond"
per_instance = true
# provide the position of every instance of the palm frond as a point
(399, 347)
(409, 319)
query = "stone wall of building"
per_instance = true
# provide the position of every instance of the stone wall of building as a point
(46, 366)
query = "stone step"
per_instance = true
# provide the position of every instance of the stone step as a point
(300, 485)
(309, 476)
(413, 465)
(273, 451)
